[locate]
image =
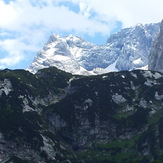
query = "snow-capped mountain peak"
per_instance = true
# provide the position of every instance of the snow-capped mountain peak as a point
(53, 37)
(125, 50)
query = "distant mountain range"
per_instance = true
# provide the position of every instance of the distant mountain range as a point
(127, 49)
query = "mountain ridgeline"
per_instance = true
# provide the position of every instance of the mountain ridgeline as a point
(127, 49)
(56, 117)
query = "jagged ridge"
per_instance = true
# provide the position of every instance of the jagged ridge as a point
(125, 50)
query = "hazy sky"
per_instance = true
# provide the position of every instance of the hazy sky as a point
(25, 25)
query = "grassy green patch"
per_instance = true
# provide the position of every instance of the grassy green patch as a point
(15, 159)
(116, 151)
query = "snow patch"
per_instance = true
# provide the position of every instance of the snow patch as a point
(104, 77)
(123, 76)
(138, 61)
(111, 67)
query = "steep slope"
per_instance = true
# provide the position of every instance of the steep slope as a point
(54, 116)
(24, 135)
(156, 54)
(125, 50)
(115, 117)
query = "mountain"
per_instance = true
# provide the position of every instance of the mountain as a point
(125, 50)
(156, 54)
(56, 117)
(24, 133)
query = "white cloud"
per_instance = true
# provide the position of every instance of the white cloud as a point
(7, 14)
(14, 54)
(127, 11)
(49, 16)
(10, 60)
(85, 9)
(26, 24)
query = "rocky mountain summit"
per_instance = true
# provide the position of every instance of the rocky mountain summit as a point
(156, 54)
(56, 117)
(126, 50)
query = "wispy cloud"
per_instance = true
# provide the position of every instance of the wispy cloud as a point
(127, 11)
(26, 24)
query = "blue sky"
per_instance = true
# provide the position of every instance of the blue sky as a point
(26, 25)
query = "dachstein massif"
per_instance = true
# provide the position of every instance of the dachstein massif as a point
(66, 113)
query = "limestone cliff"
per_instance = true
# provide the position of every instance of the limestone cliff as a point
(156, 54)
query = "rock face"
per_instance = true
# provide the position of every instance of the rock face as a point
(24, 136)
(125, 50)
(56, 117)
(156, 54)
